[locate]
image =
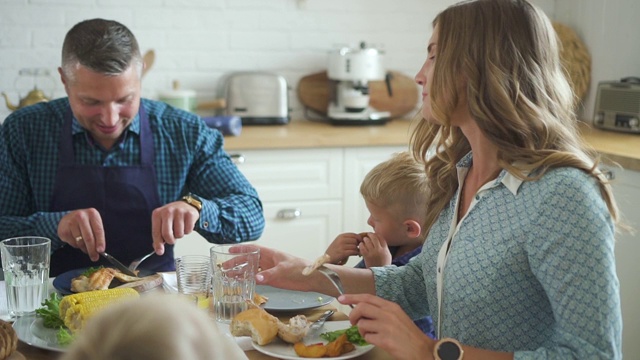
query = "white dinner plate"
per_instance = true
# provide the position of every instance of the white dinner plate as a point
(290, 300)
(281, 350)
(31, 330)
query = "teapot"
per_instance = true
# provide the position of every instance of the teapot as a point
(34, 96)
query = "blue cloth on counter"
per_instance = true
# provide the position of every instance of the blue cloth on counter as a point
(425, 323)
(530, 270)
(189, 157)
(226, 124)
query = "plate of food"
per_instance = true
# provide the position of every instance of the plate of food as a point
(31, 330)
(290, 300)
(100, 278)
(54, 325)
(330, 330)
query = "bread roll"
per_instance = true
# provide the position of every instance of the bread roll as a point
(9, 342)
(257, 323)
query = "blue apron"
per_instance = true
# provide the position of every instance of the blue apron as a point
(125, 197)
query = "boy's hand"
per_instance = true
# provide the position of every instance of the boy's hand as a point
(375, 251)
(342, 247)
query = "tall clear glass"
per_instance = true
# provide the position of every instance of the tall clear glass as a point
(234, 279)
(25, 262)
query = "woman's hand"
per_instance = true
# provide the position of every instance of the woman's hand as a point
(384, 324)
(282, 270)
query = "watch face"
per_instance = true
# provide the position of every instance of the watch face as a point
(449, 350)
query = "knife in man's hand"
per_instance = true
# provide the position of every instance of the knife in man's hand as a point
(125, 270)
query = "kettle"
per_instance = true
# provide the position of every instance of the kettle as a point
(34, 96)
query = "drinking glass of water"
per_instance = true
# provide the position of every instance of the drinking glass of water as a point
(25, 262)
(193, 273)
(234, 273)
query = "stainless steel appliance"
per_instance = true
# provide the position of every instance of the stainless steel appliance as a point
(618, 105)
(350, 71)
(257, 97)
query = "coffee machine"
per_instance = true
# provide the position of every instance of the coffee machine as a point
(350, 71)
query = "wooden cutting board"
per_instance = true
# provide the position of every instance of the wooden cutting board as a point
(314, 93)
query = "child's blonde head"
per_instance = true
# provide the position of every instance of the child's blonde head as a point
(399, 184)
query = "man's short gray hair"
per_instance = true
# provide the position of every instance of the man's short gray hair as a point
(103, 46)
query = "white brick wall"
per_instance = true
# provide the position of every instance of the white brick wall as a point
(198, 41)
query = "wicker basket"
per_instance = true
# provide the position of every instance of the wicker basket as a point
(575, 58)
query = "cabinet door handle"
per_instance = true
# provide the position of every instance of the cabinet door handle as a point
(289, 214)
(237, 158)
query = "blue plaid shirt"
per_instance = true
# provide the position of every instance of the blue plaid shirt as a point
(189, 158)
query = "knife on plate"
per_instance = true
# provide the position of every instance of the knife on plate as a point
(317, 325)
(118, 264)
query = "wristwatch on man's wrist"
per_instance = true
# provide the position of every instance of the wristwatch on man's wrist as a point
(193, 201)
(448, 349)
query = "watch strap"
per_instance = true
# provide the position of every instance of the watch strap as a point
(193, 201)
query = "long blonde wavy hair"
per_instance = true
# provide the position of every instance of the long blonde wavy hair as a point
(508, 53)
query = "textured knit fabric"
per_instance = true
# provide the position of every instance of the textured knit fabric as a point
(531, 270)
(424, 323)
(189, 158)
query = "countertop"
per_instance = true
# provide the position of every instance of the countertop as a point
(614, 146)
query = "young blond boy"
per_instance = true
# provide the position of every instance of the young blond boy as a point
(394, 192)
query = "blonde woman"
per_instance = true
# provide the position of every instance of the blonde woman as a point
(156, 327)
(519, 259)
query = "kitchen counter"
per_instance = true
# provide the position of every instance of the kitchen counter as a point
(619, 147)
(311, 134)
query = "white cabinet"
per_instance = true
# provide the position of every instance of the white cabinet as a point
(626, 187)
(297, 174)
(309, 196)
(357, 163)
(301, 191)
(306, 235)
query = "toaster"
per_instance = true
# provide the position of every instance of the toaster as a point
(257, 97)
(618, 105)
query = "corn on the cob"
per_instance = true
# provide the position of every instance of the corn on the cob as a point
(77, 308)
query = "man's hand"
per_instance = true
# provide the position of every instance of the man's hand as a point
(171, 222)
(83, 229)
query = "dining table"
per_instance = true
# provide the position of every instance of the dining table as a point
(27, 351)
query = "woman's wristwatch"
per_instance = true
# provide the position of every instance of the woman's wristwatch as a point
(448, 349)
